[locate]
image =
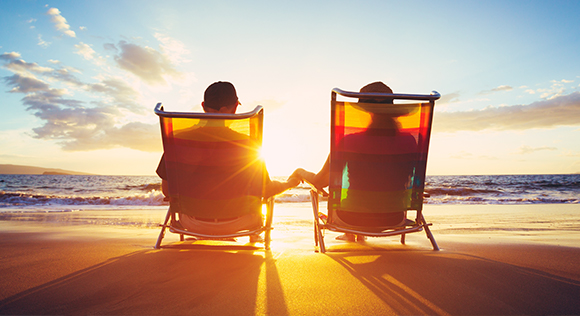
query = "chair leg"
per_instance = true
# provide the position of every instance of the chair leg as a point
(269, 214)
(404, 235)
(315, 236)
(314, 200)
(318, 238)
(428, 232)
(162, 233)
(267, 240)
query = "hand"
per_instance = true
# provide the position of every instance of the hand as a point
(298, 174)
(310, 178)
(293, 181)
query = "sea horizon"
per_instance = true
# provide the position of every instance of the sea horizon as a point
(101, 191)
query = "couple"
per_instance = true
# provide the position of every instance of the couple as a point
(221, 97)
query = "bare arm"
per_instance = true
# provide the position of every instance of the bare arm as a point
(276, 187)
(164, 187)
(319, 180)
(322, 178)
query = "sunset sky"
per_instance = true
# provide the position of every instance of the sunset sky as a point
(79, 79)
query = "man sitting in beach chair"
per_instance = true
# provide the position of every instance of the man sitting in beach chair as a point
(211, 170)
(376, 168)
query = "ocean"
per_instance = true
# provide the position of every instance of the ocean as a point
(74, 192)
(137, 202)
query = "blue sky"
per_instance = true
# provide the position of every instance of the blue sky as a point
(79, 79)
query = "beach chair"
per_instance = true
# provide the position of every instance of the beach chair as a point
(376, 170)
(214, 171)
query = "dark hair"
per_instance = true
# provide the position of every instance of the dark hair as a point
(220, 94)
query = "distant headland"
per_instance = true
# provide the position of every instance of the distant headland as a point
(20, 169)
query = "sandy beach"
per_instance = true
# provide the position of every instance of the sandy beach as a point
(495, 260)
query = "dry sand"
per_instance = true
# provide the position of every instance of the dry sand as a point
(482, 269)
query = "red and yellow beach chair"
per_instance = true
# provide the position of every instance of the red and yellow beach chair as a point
(378, 157)
(215, 174)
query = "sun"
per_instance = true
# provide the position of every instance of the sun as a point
(279, 160)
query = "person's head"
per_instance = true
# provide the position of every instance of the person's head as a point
(378, 118)
(220, 97)
(376, 87)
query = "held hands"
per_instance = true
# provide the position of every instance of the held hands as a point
(310, 178)
(295, 178)
(293, 181)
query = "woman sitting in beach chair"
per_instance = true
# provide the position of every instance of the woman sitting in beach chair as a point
(376, 168)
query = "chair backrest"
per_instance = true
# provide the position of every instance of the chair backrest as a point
(378, 152)
(214, 169)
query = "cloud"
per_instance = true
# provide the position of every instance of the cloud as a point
(449, 98)
(528, 150)
(498, 89)
(24, 84)
(103, 112)
(77, 127)
(65, 75)
(136, 135)
(60, 22)
(22, 67)
(558, 111)
(175, 50)
(41, 42)
(27, 70)
(85, 50)
(49, 100)
(463, 155)
(17, 65)
(10, 56)
(89, 53)
(502, 88)
(569, 153)
(556, 89)
(145, 62)
(118, 93)
(30, 21)
(75, 124)
(563, 81)
(110, 46)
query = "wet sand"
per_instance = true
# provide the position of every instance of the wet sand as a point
(496, 260)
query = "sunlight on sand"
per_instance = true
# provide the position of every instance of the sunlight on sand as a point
(361, 259)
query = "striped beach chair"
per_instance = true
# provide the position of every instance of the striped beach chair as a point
(378, 156)
(214, 171)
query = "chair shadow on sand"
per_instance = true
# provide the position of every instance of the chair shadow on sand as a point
(218, 278)
(180, 279)
(455, 283)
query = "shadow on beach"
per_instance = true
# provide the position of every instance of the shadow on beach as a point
(415, 282)
(179, 279)
(221, 278)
